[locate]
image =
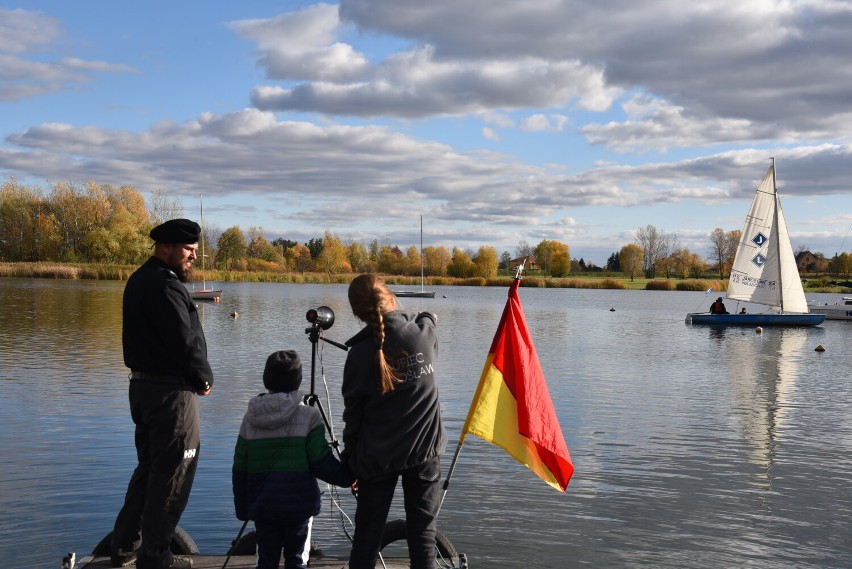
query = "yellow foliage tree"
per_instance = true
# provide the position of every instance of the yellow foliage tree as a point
(631, 258)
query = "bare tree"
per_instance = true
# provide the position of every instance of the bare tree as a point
(162, 208)
(524, 249)
(655, 245)
(725, 245)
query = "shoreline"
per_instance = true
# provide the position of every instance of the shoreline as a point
(91, 271)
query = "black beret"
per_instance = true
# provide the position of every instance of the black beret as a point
(283, 371)
(176, 231)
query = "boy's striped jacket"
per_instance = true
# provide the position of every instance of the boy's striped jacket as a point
(281, 450)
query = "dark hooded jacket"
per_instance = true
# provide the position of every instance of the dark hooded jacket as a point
(402, 428)
(161, 331)
(280, 452)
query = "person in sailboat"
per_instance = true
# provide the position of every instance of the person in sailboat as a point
(718, 307)
(743, 311)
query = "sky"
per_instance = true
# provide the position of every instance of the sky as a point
(499, 123)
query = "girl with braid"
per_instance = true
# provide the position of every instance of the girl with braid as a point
(393, 421)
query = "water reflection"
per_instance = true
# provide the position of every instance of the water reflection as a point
(763, 372)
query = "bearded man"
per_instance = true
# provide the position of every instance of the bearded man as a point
(165, 349)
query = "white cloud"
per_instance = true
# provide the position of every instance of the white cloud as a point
(541, 122)
(765, 70)
(414, 84)
(301, 46)
(25, 72)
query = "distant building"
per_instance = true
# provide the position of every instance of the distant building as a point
(806, 262)
(529, 263)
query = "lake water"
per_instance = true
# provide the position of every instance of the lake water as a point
(692, 447)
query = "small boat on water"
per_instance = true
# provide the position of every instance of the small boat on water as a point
(764, 270)
(838, 311)
(422, 293)
(414, 293)
(204, 293)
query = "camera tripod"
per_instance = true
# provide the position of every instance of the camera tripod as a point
(321, 319)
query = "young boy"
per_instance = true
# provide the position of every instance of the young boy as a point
(280, 452)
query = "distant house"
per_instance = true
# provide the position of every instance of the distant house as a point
(529, 263)
(806, 262)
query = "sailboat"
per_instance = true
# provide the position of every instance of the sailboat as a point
(764, 270)
(422, 293)
(204, 293)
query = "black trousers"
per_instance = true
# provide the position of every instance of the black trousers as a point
(421, 496)
(294, 538)
(168, 441)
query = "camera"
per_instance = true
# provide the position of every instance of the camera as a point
(322, 317)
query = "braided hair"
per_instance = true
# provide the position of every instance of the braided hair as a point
(370, 299)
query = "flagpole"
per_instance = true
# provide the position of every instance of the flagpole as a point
(518, 275)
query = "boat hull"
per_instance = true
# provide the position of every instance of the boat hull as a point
(834, 313)
(208, 294)
(787, 319)
(414, 294)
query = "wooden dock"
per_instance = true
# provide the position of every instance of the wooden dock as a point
(246, 562)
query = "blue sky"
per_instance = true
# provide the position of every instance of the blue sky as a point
(499, 123)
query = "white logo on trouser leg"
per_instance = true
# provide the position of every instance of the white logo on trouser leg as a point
(189, 453)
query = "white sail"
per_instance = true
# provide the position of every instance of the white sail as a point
(764, 270)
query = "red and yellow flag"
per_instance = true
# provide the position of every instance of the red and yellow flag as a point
(512, 406)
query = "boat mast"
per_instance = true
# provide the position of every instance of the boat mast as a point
(775, 228)
(203, 277)
(421, 254)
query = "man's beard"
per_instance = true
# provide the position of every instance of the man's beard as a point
(176, 264)
(184, 275)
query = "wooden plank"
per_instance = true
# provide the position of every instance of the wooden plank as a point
(248, 562)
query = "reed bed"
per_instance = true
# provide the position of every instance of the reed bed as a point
(97, 271)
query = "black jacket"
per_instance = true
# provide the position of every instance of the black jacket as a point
(161, 332)
(400, 429)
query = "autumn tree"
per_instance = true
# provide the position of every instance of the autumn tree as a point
(680, 263)
(299, 258)
(17, 231)
(841, 264)
(436, 260)
(542, 252)
(374, 250)
(461, 265)
(333, 257)
(48, 241)
(485, 263)
(412, 261)
(359, 258)
(230, 248)
(129, 228)
(560, 260)
(630, 259)
(261, 249)
(390, 260)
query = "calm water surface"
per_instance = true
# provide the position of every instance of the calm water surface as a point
(692, 447)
